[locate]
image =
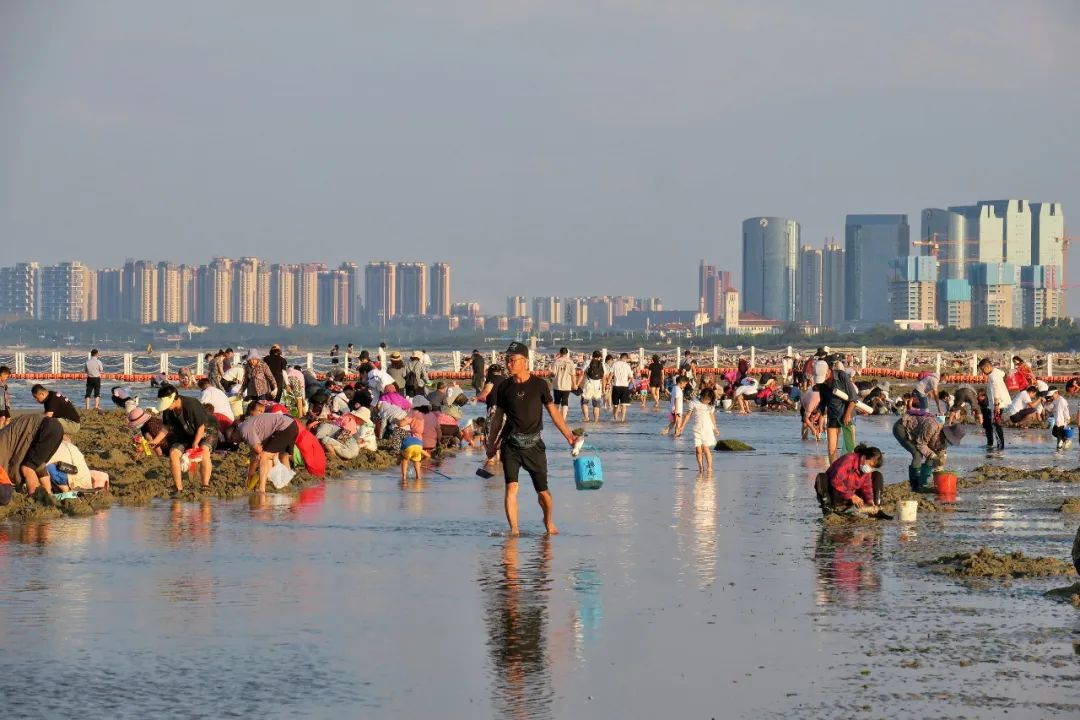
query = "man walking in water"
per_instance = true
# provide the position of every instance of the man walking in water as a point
(515, 430)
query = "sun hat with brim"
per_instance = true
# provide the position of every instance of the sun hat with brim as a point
(137, 418)
(363, 414)
(420, 401)
(395, 355)
(165, 402)
(416, 354)
(953, 433)
(253, 354)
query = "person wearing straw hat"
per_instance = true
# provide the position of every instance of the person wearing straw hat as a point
(516, 433)
(149, 427)
(395, 368)
(928, 441)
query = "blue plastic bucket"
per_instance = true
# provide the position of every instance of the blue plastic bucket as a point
(1068, 432)
(588, 472)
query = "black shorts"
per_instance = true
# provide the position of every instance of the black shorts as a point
(533, 459)
(282, 440)
(833, 422)
(1018, 417)
(46, 441)
(620, 395)
(561, 397)
(93, 387)
(209, 442)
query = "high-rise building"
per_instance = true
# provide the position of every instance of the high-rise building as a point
(90, 298)
(1047, 230)
(335, 297)
(655, 304)
(1040, 294)
(307, 293)
(110, 291)
(283, 295)
(621, 305)
(412, 292)
(170, 292)
(870, 243)
(944, 232)
(64, 292)
(1016, 229)
(832, 281)
(810, 278)
(19, 290)
(547, 310)
(245, 284)
(712, 286)
(380, 293)
(601, 312)
(730, 317)
(262, 294)
(577, 312)
(468, 309)
(439, 284)
(216, 292)
(141, 277)
(954, 303)
(984, 234)
(770, 262)
(912, 288)
(996, 300)
(517, 306)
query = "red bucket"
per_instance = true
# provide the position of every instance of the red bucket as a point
(945, 483)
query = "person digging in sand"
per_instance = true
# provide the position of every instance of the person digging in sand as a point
(190, 426)
(853, 481)
(516, 427)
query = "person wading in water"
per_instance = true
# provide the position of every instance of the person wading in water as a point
(516, 426)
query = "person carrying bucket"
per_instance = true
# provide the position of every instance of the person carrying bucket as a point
(928, 442)
(516, 428)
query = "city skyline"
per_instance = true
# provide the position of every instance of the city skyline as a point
(483, 146)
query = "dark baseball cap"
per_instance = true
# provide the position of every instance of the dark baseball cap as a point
(517, 348)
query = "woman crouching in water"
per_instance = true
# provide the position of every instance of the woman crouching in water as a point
(854, 480)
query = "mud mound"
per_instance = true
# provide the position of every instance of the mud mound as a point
(107, 444)
(1070, 594)
(999, 472)
(987, 564)
(732, 446)
(1071, 505)
(22, 508)
(895, 492)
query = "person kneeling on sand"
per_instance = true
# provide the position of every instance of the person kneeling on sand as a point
(26, 444)
(853, 481)
(190, 426)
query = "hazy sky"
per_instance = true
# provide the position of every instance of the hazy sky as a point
(543, 147)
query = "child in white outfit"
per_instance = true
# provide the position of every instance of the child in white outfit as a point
(1058, 409)
(703, 411)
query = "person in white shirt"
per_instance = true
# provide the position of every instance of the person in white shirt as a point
(563, 380)
(215, 397)
(997, 399)
(704, 415)
(677, 391)
(1024, 410)
(94, 368)
(621, 377)
(1058, 409)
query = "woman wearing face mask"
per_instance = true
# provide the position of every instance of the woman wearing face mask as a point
(853, 480)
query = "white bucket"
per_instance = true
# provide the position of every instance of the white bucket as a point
(908, 510)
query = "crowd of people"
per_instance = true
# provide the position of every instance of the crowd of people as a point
(282, 414)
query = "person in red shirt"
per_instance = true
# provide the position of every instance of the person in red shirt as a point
(853, 480)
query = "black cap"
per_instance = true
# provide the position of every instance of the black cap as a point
(517, 348)
(820, 352)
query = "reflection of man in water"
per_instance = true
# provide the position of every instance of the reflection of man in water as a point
(517, 618)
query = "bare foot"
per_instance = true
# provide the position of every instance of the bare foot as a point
(514, 532)
(551, 529)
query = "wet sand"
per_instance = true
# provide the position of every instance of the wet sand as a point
(667, 594)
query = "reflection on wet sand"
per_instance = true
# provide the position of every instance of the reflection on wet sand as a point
(190, 524)
(846, 557)
(702, 526)
(516, 600)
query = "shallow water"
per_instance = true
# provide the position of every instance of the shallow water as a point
(665, 595)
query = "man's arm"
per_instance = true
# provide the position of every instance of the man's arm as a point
(560, 423)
